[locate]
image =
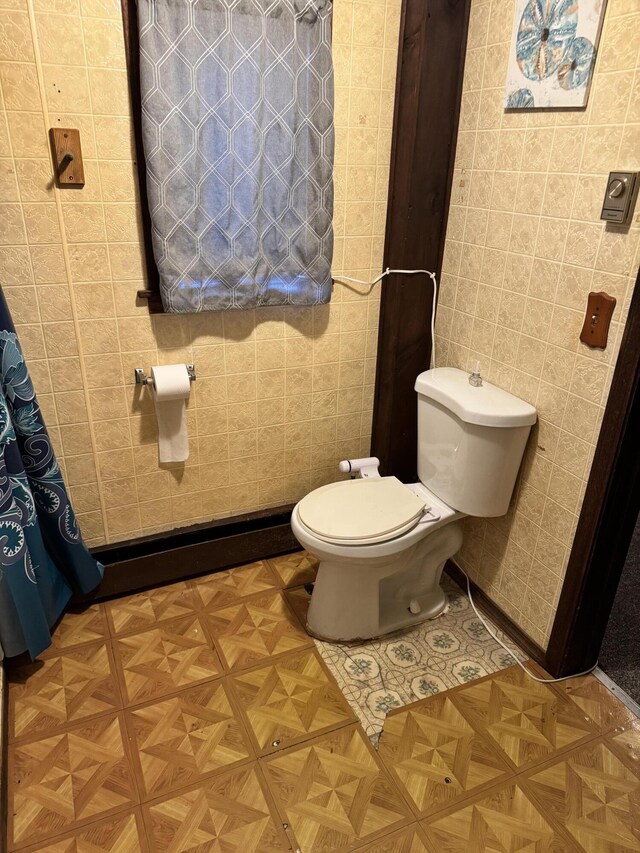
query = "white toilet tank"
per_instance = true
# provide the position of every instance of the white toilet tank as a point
(470, 440)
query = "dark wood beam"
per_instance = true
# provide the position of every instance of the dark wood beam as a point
(433, 38)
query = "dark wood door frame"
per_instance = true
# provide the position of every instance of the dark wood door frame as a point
(607, 519)
(433, 36)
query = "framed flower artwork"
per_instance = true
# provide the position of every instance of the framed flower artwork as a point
(553, 53)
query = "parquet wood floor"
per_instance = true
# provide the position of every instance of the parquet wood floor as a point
(61, 781)
(157, 662)
(504, 820)
(122, 834)
(186, 737)
(146, 609)
(295, 569)
(597, 703)
(200, 718)
(528, 721)
(334, 792)
(77, 628)
(290, 700)
(409, 840)
(255, 629)
(46, 695)
(229, 587)
(436, 756)
(227, 813)
(594, 794)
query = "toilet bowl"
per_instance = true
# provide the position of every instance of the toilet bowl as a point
(382, 544)
(375, 584)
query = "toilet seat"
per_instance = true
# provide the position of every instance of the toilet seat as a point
(361, 512)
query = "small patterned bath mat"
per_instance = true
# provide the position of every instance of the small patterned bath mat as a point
(379, 675)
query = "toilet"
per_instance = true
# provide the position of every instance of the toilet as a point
(382, 544)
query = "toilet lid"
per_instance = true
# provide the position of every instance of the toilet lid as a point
(361, 510)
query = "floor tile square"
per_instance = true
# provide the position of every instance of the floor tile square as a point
(436, 756)
(75, 776)
(503, 820)
(626, 742)
(227, 813)
(529, 721)
(255, 629)
(334, 792)
(598, 703)
(295, 569)
(182, 739)
(47, 695)
(223, 588)
(155, 663)
(595, 796)
(146, 609)
(290, 700)
(121, 834)
(76, 628)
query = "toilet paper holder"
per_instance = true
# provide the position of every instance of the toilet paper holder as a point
(143, 379)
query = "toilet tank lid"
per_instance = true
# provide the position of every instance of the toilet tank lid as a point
(486, 404)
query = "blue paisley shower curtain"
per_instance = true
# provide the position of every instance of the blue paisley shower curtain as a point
(42, 556)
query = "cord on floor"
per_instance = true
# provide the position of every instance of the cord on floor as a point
(511, 652)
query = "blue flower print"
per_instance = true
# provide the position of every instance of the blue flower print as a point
(386, 703)
(402, 652)
(521, 99)
(428, 688)
(546, 30)
(468, 673)
(476, 629)
(443, 641)
(359, 666)
(576, 67)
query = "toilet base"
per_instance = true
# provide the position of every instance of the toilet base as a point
(360, 599)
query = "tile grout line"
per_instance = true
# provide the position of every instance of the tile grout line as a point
(108, 244)
(67, 263)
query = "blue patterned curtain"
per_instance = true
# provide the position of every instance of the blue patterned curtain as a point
(42, 555)
(237, 123)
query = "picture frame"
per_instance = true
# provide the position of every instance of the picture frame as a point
(553, 52)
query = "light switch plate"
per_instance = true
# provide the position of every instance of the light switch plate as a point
(620, 197)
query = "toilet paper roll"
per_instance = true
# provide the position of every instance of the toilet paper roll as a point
(171, 389)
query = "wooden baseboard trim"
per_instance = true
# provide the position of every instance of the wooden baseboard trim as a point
(497, 616)
(200, 549)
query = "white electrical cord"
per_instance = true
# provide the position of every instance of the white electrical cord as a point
(432, 276)
(510, 652)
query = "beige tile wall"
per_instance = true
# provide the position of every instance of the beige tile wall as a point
(282, 395)
(525, 245)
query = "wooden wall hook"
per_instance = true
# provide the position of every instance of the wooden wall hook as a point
(67, 157)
